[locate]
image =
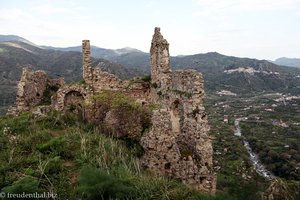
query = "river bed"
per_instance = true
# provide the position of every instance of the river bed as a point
(258, 166)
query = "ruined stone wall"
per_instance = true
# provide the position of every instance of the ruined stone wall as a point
(95, 77)
(178, 145)
(105, 81)
(137, 89)
(190, 82)
(166, 155)
(31, 88)
(71, 95)
(57, 82)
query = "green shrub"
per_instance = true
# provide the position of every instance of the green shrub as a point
(26, 185)
(97, 184)
(18, 125)
(82, 82)
(55, 145)
(56, 120)
(48, 93)
(129, 118)
(54, 165)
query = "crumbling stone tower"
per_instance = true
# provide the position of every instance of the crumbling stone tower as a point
(87, 62)
(160, 60)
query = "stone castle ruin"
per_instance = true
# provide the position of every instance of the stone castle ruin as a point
(177, 145)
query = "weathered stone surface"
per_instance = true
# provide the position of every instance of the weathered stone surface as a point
(160, 61)
(86, 62)
(31, 88)
(95, 77)
(71, 97)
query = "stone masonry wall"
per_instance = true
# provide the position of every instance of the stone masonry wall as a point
(31, 88)
(105, 81)
(95, 77)
(63, 99)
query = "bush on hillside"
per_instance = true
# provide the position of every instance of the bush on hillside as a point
(97, 184)
(25, 185)
(120, 116)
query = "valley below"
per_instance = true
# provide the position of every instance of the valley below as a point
(256, 139)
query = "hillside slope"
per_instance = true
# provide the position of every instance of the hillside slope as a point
(291, 62)
(241, 75)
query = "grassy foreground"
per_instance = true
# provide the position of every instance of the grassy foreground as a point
(58, 154)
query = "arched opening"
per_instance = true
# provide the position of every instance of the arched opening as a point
(73, 101)
(176, 116)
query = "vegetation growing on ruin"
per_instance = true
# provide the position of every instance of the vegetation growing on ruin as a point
(48, 93)
(132, 117)
(74, 160)
(182, 93)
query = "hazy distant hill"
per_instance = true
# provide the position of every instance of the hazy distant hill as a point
(98, 52)
(15, 38)
(292, 62)
(241, 75)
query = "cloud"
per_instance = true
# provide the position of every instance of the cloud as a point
(50, 9)
(60, 7)
(212, 7)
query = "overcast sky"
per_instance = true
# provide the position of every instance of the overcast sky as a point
(263, 29)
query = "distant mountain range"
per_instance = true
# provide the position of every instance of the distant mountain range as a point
(15, 38)
(130, 57)
(291, 62)
(239, 75)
